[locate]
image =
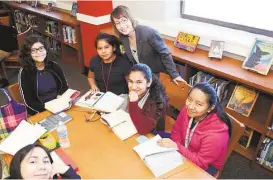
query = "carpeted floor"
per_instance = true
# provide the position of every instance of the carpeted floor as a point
(237, 167)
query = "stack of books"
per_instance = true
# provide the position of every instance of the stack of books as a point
(265, 154)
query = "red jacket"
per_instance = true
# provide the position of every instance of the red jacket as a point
(209, 142)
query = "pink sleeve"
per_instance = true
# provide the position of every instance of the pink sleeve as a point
(210, 150)
(143, 123)
(176, 135)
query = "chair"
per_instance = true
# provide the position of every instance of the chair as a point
(15, 92)
(12, 61)
(238, 129)
(177, 96)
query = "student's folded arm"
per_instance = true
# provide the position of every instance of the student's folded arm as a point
(158, 44)
(142, 122)
(209, 151)
(31, 100)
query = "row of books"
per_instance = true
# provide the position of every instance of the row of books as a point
(265, 153)
(220, 85)
(26, 19)
(20, 28)
(69, 34)
(51, 27)
(54, 45)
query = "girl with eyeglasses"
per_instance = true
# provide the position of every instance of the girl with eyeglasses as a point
(108, 69)
(40, 78)
(202, 129)
(143, 44)
(35, 162)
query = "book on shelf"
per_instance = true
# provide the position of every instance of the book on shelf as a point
(186, 41)
(245, 139)
(100, 101)
(242, 100)
(216, 49)
(260, 57)
(120, 123)
(74, 9)
(63, 102)
(265, 153)
(159, 160)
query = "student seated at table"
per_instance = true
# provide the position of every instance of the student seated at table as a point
(40, 78)
(202, 129)
(143, 44)
(108, 69)
(147, 100)
(35, 162)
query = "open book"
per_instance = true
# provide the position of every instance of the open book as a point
(105, 102)
(158, 159)
(121, 124)
(24, 134)
(62, 103)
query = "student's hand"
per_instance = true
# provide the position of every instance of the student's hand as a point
(133, 97)
(178, 78)
(166, 142)
(94, 89)
(58, 168)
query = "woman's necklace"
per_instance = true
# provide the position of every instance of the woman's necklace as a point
(102, 73)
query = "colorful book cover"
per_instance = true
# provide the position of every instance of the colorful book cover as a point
(260, 57)
(216, 49)
(186, 41)
(242, 100)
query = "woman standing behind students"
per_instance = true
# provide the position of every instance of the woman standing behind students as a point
(202, 129)
(40, 78)
(143, 44)
(147, 100)
(108, 69)
(35, 162)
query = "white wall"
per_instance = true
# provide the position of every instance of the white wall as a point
(164, 16)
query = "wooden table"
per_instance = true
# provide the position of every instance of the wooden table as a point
(99, 153)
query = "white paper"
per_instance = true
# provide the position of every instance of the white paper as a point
(110, 102)
(23, 135)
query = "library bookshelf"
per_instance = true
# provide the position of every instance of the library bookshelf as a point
(60, 29)
(230, 69)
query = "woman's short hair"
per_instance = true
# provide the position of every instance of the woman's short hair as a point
(122, 11)
(15, 166)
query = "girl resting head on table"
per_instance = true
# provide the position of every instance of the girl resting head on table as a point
(202, 129)
(35, 162)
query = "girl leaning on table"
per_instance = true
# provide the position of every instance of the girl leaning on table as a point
(108, 69)
(40, 78)
(147, 100)
(143, 44)
(202, 129)
(35, 162)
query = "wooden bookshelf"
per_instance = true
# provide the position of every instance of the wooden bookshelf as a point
(231, 69)
(71, 53)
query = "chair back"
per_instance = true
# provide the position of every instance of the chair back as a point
(177, 96)
(15, 92)
(22, 36)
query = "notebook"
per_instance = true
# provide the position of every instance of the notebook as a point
(105, 102)
(121, 124)
(24, 134)
(158, 159)
(62, 103)
(52, 122)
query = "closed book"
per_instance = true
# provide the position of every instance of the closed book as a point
(186, 41)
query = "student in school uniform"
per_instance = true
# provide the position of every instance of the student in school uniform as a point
(202, 129)
(35, 162)
(108, 69)
(147, 100)
(142, 43)
(40, 78)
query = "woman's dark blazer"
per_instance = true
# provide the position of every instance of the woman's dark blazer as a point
(151, 50)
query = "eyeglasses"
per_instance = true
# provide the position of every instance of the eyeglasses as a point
(35, 50)
(122, 21)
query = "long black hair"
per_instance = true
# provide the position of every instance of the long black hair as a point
(211, 94)
(15, 166)
(111, 39)
(157, 92)
(26, 60)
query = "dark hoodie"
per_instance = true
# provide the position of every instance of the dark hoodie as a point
(209, 142)
(28, 86)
